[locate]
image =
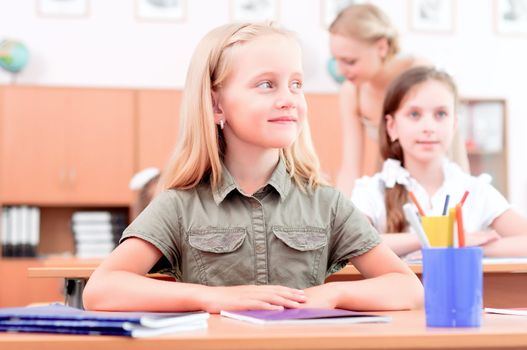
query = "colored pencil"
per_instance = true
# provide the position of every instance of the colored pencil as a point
(445, 207)
(414, 200)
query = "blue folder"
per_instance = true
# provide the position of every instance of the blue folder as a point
(57, 318)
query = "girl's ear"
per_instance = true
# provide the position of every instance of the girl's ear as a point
(382, 48)
(391, 129)
(216, 108)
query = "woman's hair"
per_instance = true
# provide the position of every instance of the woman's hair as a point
(201, 145)
(367, 23)
(397, 92)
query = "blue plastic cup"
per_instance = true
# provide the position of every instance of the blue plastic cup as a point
(453, 281)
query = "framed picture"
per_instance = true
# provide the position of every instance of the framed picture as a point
(254, 10)
(432, 15)
(160, 10)
(331, 8)
(511, 17)
(62, 8)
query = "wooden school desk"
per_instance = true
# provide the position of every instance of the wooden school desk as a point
(504, 282)
(407, 330)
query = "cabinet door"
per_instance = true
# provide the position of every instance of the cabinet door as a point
(100, 139)
(32, 145)
(158, 124)
(324, 123)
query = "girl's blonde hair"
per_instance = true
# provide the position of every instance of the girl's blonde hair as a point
(201, 146)
(367, 23)
(398, 90)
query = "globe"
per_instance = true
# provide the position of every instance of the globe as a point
(13, 55)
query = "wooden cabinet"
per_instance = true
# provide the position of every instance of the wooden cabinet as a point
(17, 289)
(157, 126)
(66, 146)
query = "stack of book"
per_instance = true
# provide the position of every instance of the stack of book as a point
(20, 232)
(57, 318)
(96, 233)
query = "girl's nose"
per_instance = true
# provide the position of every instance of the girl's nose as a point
(341, 68)
(285, 100)
(429, 124)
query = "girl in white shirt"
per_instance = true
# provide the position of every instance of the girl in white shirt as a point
(417, 129)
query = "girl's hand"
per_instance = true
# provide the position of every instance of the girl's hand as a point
(324, 296)
(481, 238)
(251, 297)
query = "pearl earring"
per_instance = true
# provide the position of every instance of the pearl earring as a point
(222, 124)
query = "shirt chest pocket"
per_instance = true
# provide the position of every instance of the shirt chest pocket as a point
(303, 253)
(219, 255)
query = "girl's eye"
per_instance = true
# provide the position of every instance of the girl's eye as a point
(349, 62)
(297, 85)
(414, 114)
(265, 85)
(441, 114)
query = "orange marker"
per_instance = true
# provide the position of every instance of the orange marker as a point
(414, 200)
(459, 221)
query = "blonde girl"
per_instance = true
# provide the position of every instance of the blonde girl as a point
(246, 221)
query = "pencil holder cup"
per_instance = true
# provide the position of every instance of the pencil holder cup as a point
(453, 281)
(438, 229)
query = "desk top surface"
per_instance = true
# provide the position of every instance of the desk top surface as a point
(406, 331)
(85, 271)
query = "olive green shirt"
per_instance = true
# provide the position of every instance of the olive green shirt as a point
(279, 235)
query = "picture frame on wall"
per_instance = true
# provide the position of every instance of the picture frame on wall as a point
(160, 10)
(62, 8)
(331, 8)
(254, 10)
(510, 17)
(435, 16)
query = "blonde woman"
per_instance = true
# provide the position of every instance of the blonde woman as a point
(366, 48)
(246, 221)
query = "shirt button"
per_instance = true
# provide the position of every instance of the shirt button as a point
(260, 248)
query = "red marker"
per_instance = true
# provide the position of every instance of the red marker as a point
(464, 198)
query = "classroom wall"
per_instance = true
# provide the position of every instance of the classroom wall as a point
(112, 48)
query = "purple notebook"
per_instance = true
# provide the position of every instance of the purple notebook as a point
(303, 316)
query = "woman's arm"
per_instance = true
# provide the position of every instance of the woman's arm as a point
(512, 227)
(389, 284)
(352, 139)
(119, 284)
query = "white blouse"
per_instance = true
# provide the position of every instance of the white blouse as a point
(483, 204)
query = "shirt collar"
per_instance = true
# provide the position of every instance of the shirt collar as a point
(280, 180)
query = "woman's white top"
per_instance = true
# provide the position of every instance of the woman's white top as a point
(483, 204)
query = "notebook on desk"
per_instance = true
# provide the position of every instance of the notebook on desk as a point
(519, 311)
(57, 318)
(304, 316)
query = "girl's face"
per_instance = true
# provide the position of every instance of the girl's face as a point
(262, 100)
(425, 121)
(358, 61)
